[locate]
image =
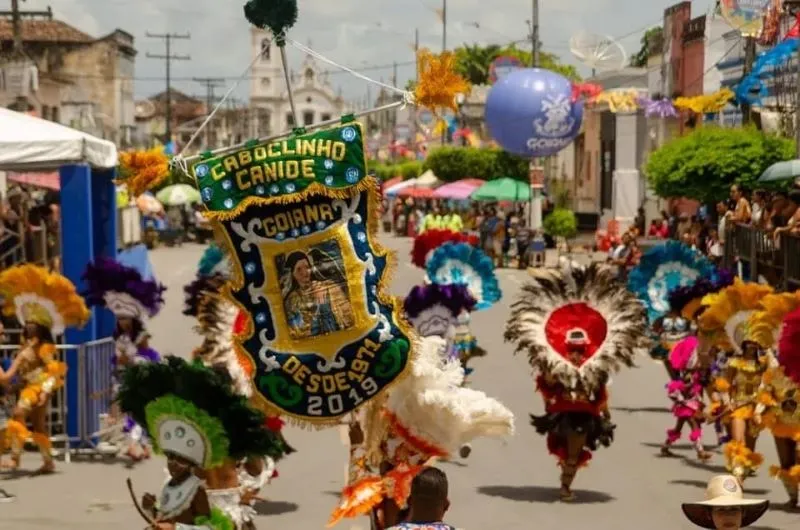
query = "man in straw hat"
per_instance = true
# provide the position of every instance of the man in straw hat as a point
(725, 506)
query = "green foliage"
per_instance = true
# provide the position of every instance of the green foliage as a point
(560, 194)
(561, 223)
(450, 164)
(473, 62)
(408, 170)
(277, 15)
(639, 60)
(705, 163)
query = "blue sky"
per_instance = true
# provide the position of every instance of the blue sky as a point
(357, 33)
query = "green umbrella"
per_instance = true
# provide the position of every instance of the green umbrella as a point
(503, 189)
(178, 195)
(785, 170)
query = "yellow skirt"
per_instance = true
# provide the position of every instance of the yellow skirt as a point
(46, 382)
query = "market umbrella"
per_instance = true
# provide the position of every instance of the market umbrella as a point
(147, 203)
(178, 195)
(392, 191)
(391, 182)
(785, 170)
(416, 193)
(503, 189)
(459, 190)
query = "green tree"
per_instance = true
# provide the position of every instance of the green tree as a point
(639, 59)
(455, 163)
(705, 163)
(473, 61)
(561, 223)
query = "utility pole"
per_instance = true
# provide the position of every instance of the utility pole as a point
(444, 49)
(749, 58)
(211, 83)
(16, 25)
(393, 112)
(168, 57)
(413, 109)
(792, 7)
(535, 34)
(535, 167)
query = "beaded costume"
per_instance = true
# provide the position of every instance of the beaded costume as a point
(576, 326)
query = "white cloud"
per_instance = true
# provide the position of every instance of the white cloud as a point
(352, 32)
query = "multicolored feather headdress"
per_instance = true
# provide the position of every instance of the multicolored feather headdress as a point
(725, 320)
(32, 294)
(578, 310)
(663, 269)
(430, 240)
(687, 300)
(764, 325)
(122, 289)
(214, 261)
(463, 264)
(789, 346)
(433, 309)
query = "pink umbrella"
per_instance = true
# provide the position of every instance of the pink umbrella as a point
(459, 190)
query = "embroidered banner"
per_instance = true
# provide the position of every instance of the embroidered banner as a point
(330, 161)
(311, 276)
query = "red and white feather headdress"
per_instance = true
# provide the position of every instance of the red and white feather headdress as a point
(578, 305)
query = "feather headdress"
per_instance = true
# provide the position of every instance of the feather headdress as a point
(431, 405)
(687, 300)
(588, 302)
(663, 269)
(430, 240)
(764, 325)
(725, 320)
(216, 319)
(462, 264)
(789, 346)
(433, 309)
(34, 295)
(122, 289)
(214, 261)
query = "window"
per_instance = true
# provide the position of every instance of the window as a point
(308, 99)
(309, 75)
(308, 117)
(265, 49)
(265, 82)
(289, 119)
(326, 117)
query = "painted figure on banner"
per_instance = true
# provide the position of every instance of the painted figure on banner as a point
(315, 291)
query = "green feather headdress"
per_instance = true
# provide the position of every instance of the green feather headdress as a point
(159, 394)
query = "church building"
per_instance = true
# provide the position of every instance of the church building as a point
(314, 97)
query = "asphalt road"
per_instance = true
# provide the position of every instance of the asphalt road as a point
(504, 484)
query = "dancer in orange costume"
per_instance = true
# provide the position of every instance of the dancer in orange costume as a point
(45, 304)
(725, 324)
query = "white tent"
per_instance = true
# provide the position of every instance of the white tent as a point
(426, 180)
(31, 144)
(394, 190)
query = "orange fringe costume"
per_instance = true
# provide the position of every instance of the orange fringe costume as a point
(35, 296)
(425, 416)
(780, 390)
(726, 323)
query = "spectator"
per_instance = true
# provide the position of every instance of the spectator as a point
(713, 246)
(640, 222)
(741, 213)
(658, 229)
(427, 502)
(684, 227)
(722, 212)
(793, 223)
(725, 506)
(759, 210)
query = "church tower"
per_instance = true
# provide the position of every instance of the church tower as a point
(266, 82)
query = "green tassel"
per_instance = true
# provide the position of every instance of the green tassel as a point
(276, 15)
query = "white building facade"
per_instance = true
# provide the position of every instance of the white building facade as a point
(314, 97)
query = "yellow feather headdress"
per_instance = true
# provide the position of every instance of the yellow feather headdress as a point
(33, 294)
(765, 325)
(725, 321)
(438, 83)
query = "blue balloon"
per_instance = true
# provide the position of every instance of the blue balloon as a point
(530, 112)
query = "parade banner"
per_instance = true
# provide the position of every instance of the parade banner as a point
(309, 273)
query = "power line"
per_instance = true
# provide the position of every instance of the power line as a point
(210, 83)
(168, 57)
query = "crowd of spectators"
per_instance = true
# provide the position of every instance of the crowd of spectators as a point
(29, 227)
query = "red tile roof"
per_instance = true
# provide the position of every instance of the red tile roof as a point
(44, 31)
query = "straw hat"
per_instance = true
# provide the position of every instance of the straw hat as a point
(724, 491)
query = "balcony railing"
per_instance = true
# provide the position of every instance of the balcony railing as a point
(757, 253)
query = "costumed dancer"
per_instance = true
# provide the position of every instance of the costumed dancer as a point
(686, 393)
(232, 486)
(45, 304)
(426, 415)
(430, 240)
(686, 303)
(132, 300)
(725, 323)
(661, 270)
(576, 326)
(778, 398)
(198, 422)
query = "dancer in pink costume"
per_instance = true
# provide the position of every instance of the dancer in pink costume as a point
(686, 392)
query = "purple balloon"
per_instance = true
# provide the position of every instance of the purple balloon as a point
(530, 112)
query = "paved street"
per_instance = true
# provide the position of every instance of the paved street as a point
(510, 485)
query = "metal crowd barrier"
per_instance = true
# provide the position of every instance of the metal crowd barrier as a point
(94, 394)
(756, 253)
